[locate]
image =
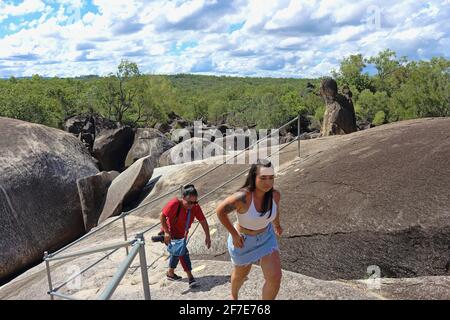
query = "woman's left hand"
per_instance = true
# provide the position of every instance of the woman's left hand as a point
(278, 230)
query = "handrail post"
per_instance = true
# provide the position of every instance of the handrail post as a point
(125, 231)
(49, 277)
(143, 263)
(298, 135)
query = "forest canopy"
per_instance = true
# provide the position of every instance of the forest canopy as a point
(398, 89)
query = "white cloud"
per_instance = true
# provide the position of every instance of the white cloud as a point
(277, 38)
(13, 27)
(26, 7)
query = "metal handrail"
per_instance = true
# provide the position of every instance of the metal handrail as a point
(84, 270)
(95, 230)
(90, 251)
(114, 282)
(138, 247)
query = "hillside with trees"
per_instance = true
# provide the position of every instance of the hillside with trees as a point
(399, 89)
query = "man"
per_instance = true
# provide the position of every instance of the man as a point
(173, 221)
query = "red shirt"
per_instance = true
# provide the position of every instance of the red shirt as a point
(170, 211)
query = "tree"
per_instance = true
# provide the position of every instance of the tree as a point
(388, 69)
(425, 93)
(129, 97)
(153, 101)
(369, 103)
(128, 85)
(400, 89)
(65, 105)
(120, 90)
(350, 73)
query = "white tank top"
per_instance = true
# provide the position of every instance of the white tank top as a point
(253, 220)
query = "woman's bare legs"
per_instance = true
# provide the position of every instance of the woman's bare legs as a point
(271, 267)
(238, 277)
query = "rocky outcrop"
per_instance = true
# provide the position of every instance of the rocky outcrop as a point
(310, 135)
(343, 210)
(287, 138)
(112, 146)
(39, 204)
(87, 127)
(108, 141)
(190, 150)
(173, 122)
(339, 117)
(148, 142)
(376, 197)
(236, 142)
(163, 127)
(363, 125)
(76, 124)
(127, 186)
(92, 191)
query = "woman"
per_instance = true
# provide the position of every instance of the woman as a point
(253, 236)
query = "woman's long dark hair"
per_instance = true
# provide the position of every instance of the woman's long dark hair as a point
(250, 185)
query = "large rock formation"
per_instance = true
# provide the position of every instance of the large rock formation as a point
(190, 150)
(236, 142)
(108, 141)
(148, 142)
(339, 117)
(76, 124)
(87, 127)
(377, 197)
(112, 146)
(173, 122)
(287, 138)
(92, 191)
(39, 204)
(127, 186)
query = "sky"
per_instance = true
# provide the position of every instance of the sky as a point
(283, 38)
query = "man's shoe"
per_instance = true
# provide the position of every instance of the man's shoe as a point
(173, 278)
(192, 282)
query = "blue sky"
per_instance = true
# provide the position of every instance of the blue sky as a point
(284, 38)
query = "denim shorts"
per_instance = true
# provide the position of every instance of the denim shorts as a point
(255, 247)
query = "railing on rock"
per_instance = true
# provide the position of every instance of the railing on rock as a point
(138, 246)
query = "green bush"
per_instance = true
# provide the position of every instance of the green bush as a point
(379, 118)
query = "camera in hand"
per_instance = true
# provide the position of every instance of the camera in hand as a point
(159, 237)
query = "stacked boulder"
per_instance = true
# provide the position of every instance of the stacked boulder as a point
(339, 117)
(39, 204)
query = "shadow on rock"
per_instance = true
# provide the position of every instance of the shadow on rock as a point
(207, 283)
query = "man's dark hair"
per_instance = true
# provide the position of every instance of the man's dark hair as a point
(189, 190)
